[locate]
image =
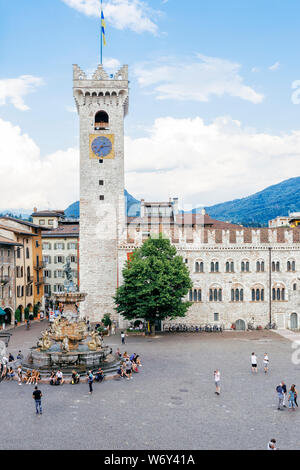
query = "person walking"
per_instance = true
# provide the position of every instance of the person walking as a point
(254, 362)
(292, 398)
(284, 390)
(266, 362)
(90, 381)
(123, 337)
(279, 391)
(217, 377)
(272, 445)
(37, 396)
(20, 375)
(296, 395)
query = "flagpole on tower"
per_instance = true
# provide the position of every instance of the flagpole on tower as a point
(101, 52)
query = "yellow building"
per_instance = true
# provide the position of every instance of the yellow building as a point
(29, 282)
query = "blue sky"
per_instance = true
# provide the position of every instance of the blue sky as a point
(219, 72)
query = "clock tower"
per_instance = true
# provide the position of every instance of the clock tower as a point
(102, 104)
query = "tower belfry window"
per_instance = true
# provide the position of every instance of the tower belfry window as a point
(101, 121)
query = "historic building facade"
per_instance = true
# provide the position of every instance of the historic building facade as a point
(59, 245)
(239, 275)
(27, 273)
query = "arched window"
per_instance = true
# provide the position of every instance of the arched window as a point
(277, 266)
(214, 267)
(101, 121)
(262, 266)
(243, 267)
(289, 268)
(199, 267)
(258, 266)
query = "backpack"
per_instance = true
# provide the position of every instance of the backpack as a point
(279, 389)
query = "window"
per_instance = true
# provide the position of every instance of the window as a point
(50, 222)
(294, 286)
(59, 259)
(291, 266)
(46, 246)
(73, 259)
(278, 294)
(47, 273)
(216, 317)
(41, 222)
(101, 182)
(199, 267)
(59, 246)
(258, 294)
(47, 259)
(229, 267)
(245, 266)
(101, 197)
(215, 295)
(101, 121)
(195, 295)
(237, 295)
(214, 267)
(72, 246)
(47, 289)
(27, 253)
(18, 253)
(8, 253)
(275, 266)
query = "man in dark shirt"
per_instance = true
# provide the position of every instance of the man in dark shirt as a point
(37, 396)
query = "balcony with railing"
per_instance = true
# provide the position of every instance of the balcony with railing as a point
(40, 266)
(4, 280)
(29, 279)
(39, 281)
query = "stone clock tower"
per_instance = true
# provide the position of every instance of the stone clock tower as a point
(102, 104)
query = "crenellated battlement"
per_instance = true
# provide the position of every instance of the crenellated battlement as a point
(101, 87)
(199, 236)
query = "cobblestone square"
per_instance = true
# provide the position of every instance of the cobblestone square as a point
(170, 404)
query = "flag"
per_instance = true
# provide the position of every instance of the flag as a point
(103, 26)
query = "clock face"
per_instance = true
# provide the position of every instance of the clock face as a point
(101, 146)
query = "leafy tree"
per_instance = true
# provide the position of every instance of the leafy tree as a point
(106, 320)
(26, 312)
(18, 315)
(155, 282)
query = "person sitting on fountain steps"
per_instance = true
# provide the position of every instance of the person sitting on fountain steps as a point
(75, 377)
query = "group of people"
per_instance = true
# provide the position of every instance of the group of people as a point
(57, 378)
(284, 395)
(31, 377)
(129, 364)
(254, 362)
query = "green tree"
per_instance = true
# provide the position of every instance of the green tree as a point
(106, 320)
(18, 315)
(155, 282)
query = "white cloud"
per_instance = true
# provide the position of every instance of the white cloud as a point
(121, 14)
(111, 64)
(274, 66)
(207, 163)
(14, 90)
(29, 180)
(196, 79)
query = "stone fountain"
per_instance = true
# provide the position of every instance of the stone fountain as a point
(68, 344)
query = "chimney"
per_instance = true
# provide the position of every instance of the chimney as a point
(35, 209)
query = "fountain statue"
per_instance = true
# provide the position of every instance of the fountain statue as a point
(68, 343)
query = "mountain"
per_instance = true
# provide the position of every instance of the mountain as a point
(258, 209)
(133, 207)
(255, 210)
